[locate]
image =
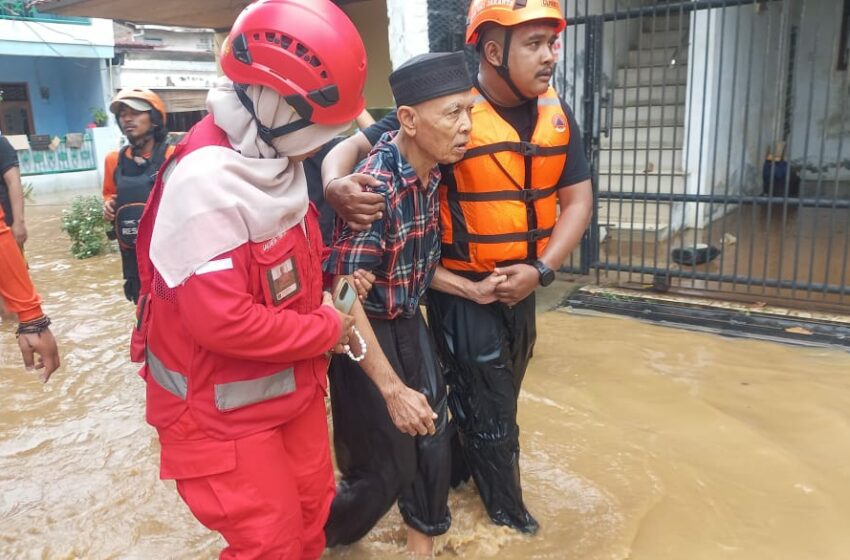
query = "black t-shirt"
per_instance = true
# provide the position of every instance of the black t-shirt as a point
(8, 159)
(315, 189)
(523, 118)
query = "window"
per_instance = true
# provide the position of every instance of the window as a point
(15, 110)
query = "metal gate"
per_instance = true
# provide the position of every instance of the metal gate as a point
(717, 132)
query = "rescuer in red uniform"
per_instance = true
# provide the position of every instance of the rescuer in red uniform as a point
(233, 324)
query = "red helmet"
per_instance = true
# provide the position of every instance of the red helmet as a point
(308, 51)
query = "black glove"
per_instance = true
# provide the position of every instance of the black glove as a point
(131, 289)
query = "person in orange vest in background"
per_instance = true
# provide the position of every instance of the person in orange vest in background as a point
(18, 291)
(130, 172)
(233, 324)
(515, 206)
(11, 192)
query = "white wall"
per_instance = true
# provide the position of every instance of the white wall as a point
(178, 39)
(139, 70)
(408, 29)
(736, 74)
(34, 38)
(820, 133)
(737, 95)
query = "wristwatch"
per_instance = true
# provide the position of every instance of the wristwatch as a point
(547, 275)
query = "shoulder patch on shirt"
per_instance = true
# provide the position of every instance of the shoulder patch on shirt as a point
(284, 282)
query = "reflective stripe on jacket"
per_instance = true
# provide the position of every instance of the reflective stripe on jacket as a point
(500, 204)
(241, 342)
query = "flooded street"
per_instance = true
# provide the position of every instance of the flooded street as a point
(639, 442)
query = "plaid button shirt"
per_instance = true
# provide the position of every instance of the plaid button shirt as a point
(403, 248)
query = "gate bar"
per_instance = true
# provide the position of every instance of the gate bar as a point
(714, 277)
(664, 8)
(718, 198)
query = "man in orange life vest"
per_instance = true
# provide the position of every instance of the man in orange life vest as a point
(234, 327)
(515, 206)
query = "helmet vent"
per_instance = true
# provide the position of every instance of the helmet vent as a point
(315, 62)
(301, 50)
(285, 41)
(270, 37)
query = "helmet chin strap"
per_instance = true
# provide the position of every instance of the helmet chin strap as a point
(265, 133)
(502, 69)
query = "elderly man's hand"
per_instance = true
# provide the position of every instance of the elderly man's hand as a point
(521, 280)
(363, 281)
(484, 291)
(354, 205)
(409, 411)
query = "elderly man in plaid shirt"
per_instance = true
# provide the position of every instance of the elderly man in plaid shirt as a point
(379, 463)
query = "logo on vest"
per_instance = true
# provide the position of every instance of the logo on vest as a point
(559, 121)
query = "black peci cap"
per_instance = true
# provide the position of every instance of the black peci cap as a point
(429, 76)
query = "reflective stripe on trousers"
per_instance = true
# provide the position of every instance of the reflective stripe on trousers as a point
(228, 396)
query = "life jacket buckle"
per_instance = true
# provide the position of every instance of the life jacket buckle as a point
(529, 195)
(528, 149)
(537, 234)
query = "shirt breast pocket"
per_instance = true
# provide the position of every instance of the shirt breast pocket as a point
(279, 275)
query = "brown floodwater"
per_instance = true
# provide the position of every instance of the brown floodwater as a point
(639, 441)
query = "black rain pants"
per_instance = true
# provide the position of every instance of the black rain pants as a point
(380, 464)
(486, 350)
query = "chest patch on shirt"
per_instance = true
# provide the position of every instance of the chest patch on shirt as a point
(284, 282)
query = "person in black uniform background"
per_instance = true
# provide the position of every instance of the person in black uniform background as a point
(131, 172)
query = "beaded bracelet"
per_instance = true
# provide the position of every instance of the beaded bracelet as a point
(347, 348)
(33, 327)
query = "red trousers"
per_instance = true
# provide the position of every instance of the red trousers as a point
(268, 494)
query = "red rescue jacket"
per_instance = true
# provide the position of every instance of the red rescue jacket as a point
(243, 346)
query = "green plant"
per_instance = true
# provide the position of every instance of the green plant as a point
(99, 116)
(83, 223)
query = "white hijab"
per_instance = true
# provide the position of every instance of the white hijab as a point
(216, 199)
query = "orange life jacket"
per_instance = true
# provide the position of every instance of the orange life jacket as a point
(499, 206)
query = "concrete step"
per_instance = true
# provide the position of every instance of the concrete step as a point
(639, 161)
(652, 75)
(657, 115)
(624, 218)
(645, 137)
(615, 180)
(646, 95)
(641, 58)
(662, 38)
(666, 22)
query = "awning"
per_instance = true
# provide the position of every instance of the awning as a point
(215, 14)
(181, 100)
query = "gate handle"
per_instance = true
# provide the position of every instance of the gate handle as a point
(608, 100)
